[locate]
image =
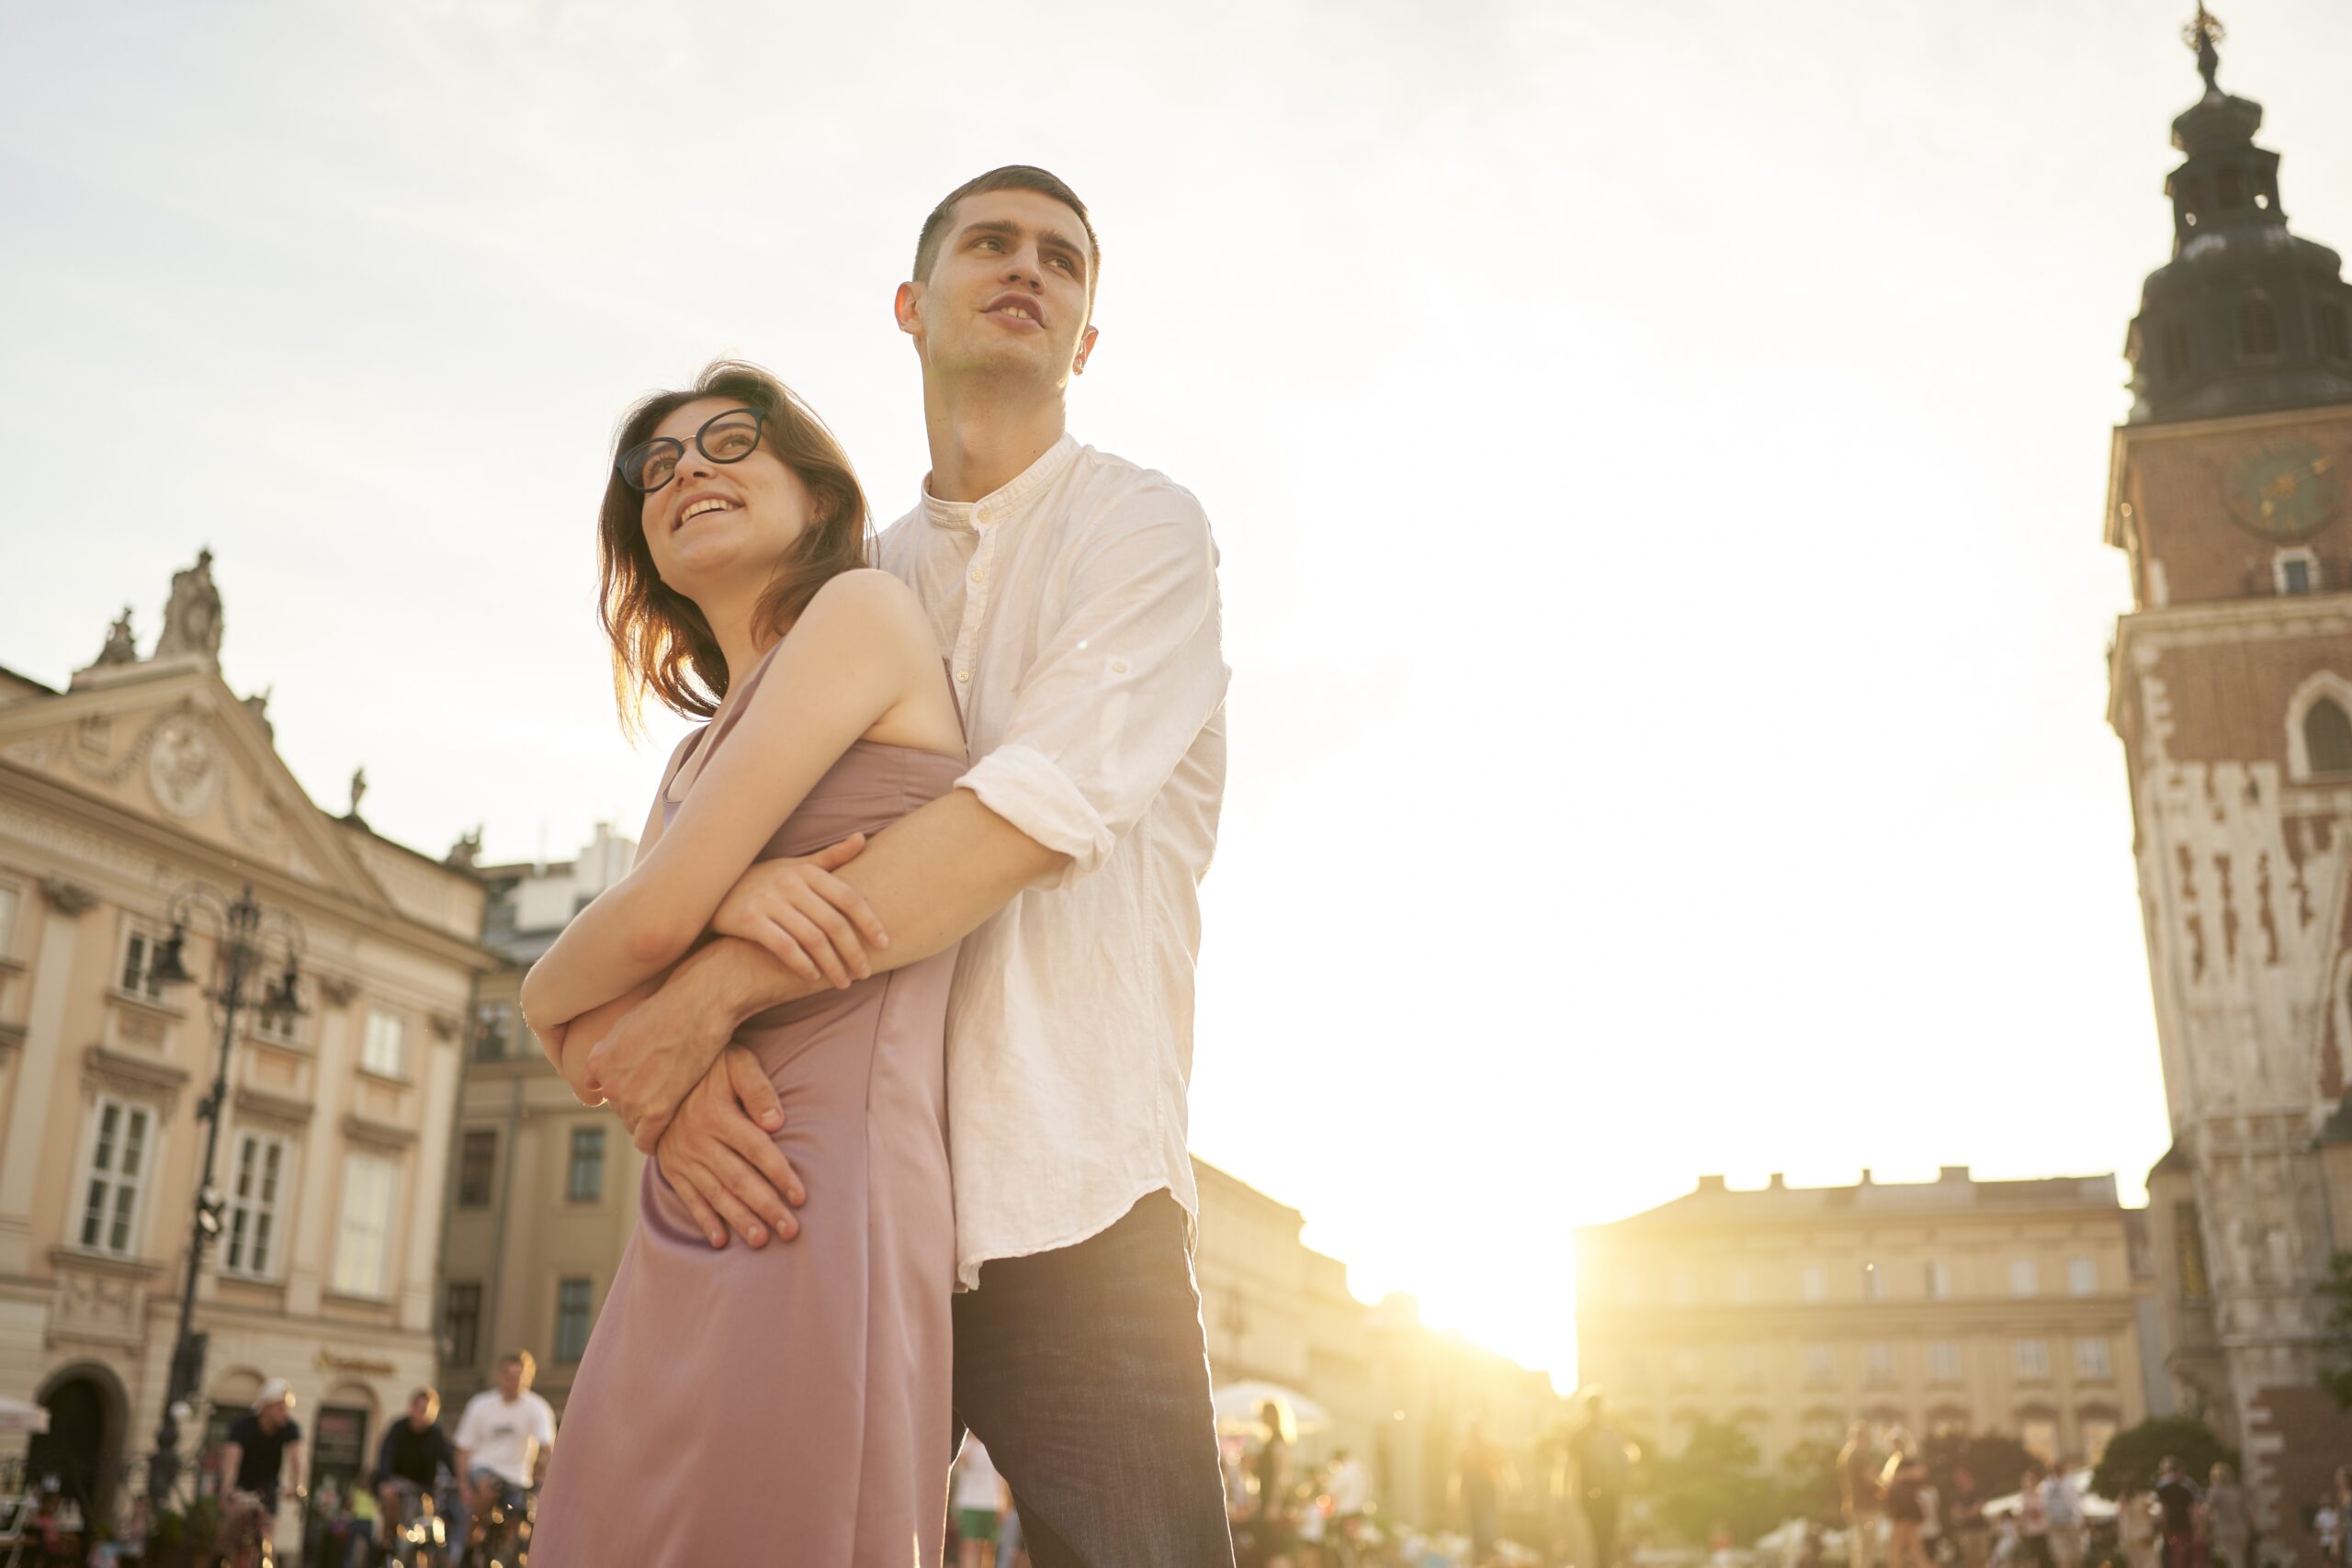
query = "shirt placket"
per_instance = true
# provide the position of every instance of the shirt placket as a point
(978, 580)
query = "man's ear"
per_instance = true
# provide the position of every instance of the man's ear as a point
(1085, 347)
(903, 306)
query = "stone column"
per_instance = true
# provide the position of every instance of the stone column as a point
(321, 1158)
(436, 1097)
(44, 1048)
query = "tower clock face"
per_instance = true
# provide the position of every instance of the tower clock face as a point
(2284, 489)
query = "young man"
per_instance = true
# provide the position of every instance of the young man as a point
(504, 1437)
(254, 1454)
(1075, 597)
(410, 1460)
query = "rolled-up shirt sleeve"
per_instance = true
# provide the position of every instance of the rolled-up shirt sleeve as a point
(1120, 691)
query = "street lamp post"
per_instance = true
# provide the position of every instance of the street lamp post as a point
(246, 931)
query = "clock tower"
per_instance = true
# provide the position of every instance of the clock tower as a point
(2231, 686)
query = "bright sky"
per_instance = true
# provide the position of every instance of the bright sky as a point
(1658, 452)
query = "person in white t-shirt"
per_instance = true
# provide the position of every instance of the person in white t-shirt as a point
(505, 1436)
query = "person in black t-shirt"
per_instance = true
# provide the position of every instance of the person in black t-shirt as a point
(2177, 1502)
(410, 1460)
(254, 1458)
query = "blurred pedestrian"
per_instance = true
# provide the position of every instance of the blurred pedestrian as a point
(1857, 1494)
(1965, 1511)
(2135, 1525)
(2061, 1505)
(2229, 1532)
(2177, 1511)
(1604, 1463)
(1901, 1483)
(2033, 1519)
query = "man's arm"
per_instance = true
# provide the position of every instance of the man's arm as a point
(931, 878)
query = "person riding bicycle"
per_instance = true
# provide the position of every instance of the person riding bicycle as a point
(504, 1437)
(410, 1460)
(254, 1458)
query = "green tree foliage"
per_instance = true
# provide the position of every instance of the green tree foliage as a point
(2335, 1347)
(1809, 1482)
(2132, 1454)
(1997, 1463)
(1716, 1482)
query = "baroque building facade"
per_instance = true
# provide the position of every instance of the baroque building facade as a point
(145, 778)
(2231, 688)
(1788, 1313)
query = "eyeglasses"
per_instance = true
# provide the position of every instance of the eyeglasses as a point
(726, 437)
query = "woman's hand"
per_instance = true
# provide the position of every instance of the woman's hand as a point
(809, 919)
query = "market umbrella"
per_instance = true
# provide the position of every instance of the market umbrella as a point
(1237, 1404)
(16, 1417)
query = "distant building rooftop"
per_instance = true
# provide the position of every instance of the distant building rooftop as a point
(1715, 1202)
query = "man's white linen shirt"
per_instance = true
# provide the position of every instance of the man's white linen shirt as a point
(1078, 610)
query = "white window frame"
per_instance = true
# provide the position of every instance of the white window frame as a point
(1938, 1281)
(2031, 1359)
(113, 1214)
(12, 914)
(363, 1248)
(2082, 1276)
(565, 1355)
(2322, 683)
(1943, 1360)
(571, 1164)
(1874, 1282)
(2025, 1277)
(2298, 554)
(274, 1028)
(150, 990)
(255, 1216)
(371, 1055)
(1812, 1283)
(2094, 1359)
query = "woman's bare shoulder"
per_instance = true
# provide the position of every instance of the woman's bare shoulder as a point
(864, 602)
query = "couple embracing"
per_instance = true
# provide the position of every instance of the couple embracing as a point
(932, 862)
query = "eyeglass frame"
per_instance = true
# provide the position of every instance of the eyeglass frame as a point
(621, 463)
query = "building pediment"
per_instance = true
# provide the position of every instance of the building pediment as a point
(167, 741)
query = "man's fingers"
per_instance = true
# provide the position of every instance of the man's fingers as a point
(757, 1183)
(752, 1090)
(837, 930)
(833, 857)
(814, 942)
(647, 1130)
(725, 1177)
(851, 903)
(682, 1182)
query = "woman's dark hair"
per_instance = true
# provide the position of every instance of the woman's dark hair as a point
(661, 642)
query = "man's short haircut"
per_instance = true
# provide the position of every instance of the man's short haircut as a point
(1013, 176)
(522, 1359)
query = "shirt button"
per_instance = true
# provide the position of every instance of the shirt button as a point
(962, 676)
(979, 574)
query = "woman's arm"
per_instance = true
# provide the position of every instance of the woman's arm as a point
(855, 654)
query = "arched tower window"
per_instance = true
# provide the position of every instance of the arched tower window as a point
(2327, 738)
(2258, 327)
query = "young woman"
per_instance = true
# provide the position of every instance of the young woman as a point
(747, 1404)
(1902, 1483)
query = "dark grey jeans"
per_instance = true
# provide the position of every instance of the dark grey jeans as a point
(1086, 1373)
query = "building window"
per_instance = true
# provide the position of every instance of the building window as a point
(1939, 1281)
(2327, 738)
(1878, 1364)
(2039, 1435)
(572, 1319)
(1943, 1360)
(2188, 1242)
(585, 1182)
(11, 900)
(383, 1047)
(2025, 1279)
(1747, 1366)
(2258, 327)
(257, 1176)
(2333, 340)
(477, 1167)
(115, 1176)
(2098, 1432)
(1743, 1286)
(1873, 1283)
(2091, 1360)
(462, 1321)
(2082, 1276)
(2295, 571)
(493, 1027)
(2033, 1359)
(1812, 1285)
(140, 950)
(1820, 1365)
(363, 1241)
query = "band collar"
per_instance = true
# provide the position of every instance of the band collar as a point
(971, 516)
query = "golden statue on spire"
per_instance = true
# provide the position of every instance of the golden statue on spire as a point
(2201, 35)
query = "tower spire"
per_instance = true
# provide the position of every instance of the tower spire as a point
(2201, 34)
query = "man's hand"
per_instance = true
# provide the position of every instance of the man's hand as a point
(816, 925)
(654, 1054)
(720, 1157)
